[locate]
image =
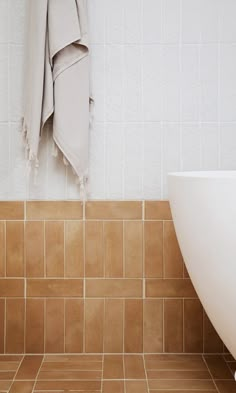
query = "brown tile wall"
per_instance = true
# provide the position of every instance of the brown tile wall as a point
(104, 277)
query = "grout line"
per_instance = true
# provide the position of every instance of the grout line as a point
(102, 379)
(204, 360)
(123, 358)
(36, 378)
(145, 370)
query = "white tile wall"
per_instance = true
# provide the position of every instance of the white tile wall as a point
(164, 83)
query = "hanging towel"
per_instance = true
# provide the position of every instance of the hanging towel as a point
(57, 80)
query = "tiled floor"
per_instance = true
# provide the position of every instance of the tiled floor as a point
(117, 374)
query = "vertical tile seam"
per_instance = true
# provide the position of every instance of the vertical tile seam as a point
(145, 371)
(36, 378)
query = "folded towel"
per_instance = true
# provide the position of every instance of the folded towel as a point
(57, 80)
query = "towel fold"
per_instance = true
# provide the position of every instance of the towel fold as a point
(57, 79)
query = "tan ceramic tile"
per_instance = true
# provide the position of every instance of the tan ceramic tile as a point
(94, 325)
(133, 249)
(22, 387)
(11, 358)
(15, 316)
(54, 248)
(133, 333)
(34, 337)
(34, 248)
(153, 248)
(114, 287)
(134, 367)
(68, 365)
(226, 386)
(113, 367)
(157, 210)
(113, 248)
(29, 367)
(153, 325)
(15, 249)
(136, 387)
(11, 287)
(212, 342)
(54, 287)
(2, 318)
(114, 210)
(74, 249)
(70, 375)
(74, 323)
(94, 254)
(178, 374)
(173, 261)
(9, 366)
(166, 384)
(113, 325)
(54, 210)
(68, 385)
(170, 288)
(173, 325)
(7, 375)
(11, 210)
(54, 329)
(5, 385)
(2, 249)
(218, 367)
(193, 326)
(167, 362)
(113, 387)
(85, 358)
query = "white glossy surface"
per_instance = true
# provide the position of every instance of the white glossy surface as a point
(164, 83)
(203, 205)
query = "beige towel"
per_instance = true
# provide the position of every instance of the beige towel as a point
(57, 79)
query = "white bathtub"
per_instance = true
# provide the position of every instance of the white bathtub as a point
(203, 205)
